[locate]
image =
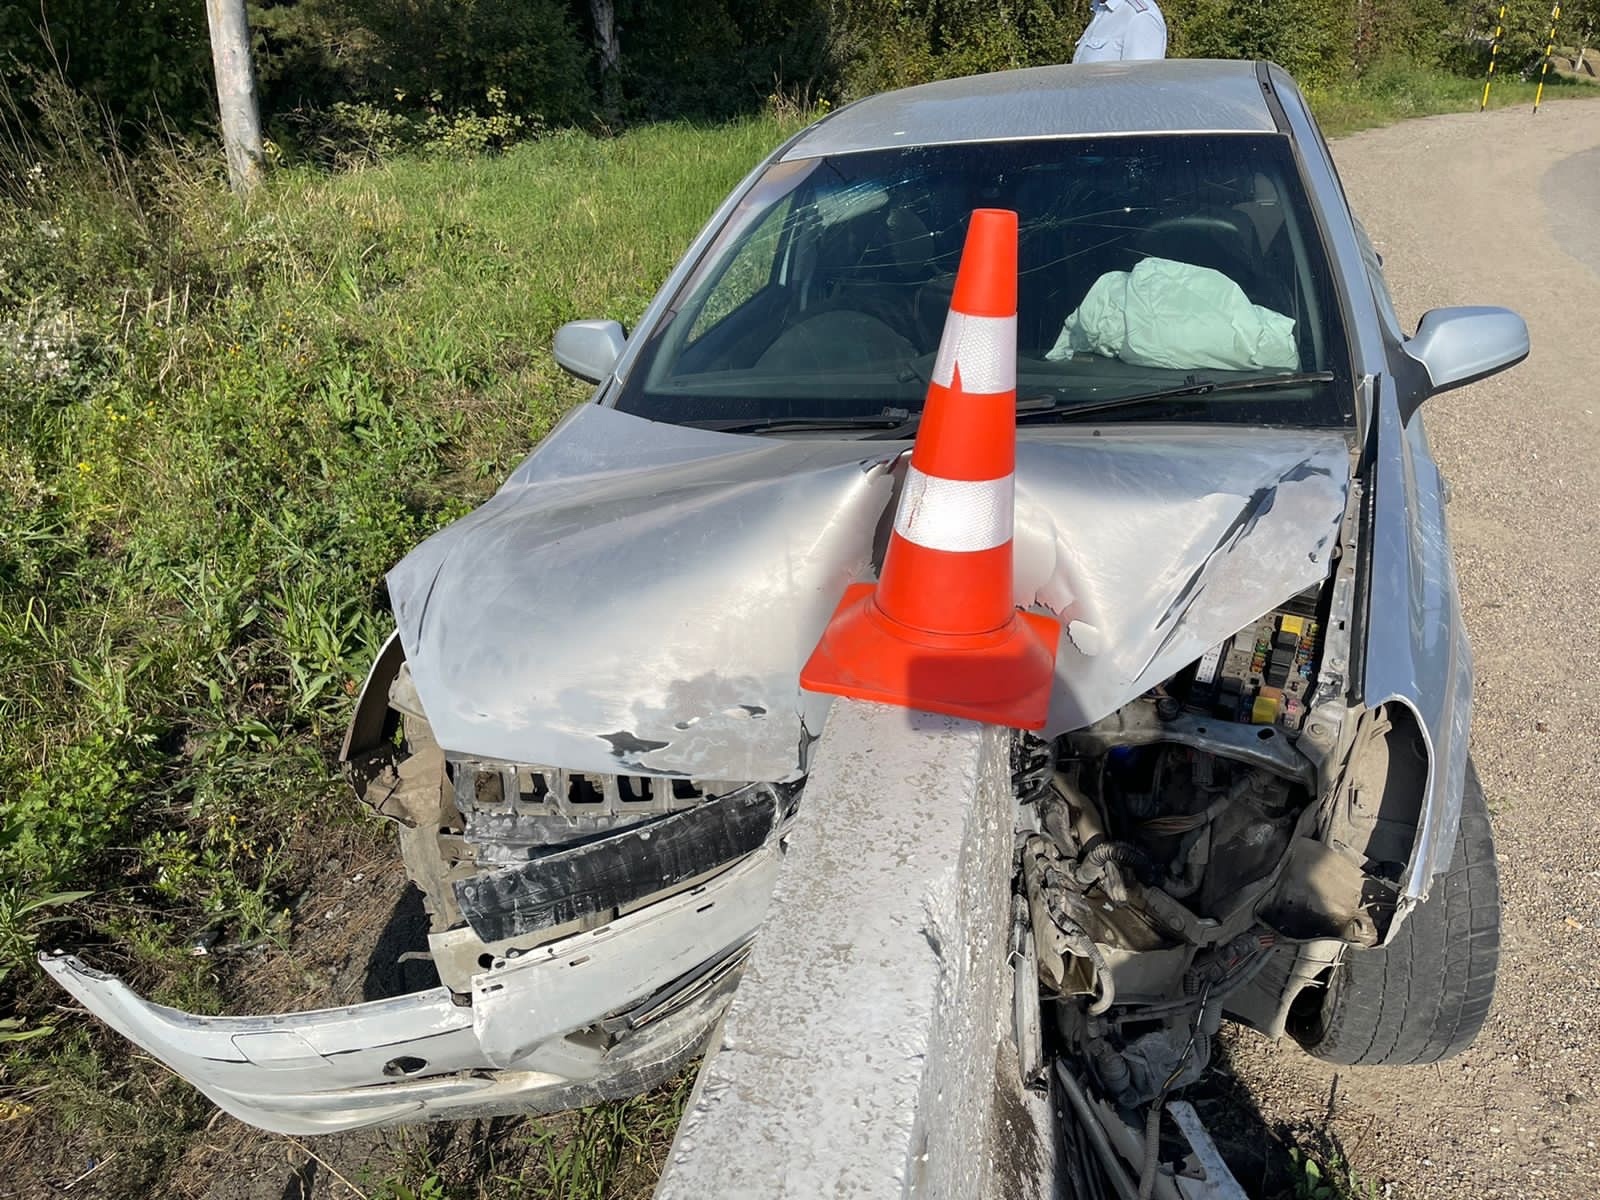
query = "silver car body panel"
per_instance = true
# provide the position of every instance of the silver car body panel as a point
(1416, 652)
(710, 564)
(526, 1042)
(1171, 96)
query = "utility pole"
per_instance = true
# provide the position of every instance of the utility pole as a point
(236, 92)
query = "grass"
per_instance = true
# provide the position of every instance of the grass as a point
(1396, 91)
(219, 427)
(598, 1153)
(1327, 1176)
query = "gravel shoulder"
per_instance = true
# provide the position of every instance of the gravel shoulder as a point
(1502, 208)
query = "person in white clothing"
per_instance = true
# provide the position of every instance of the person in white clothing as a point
(1121, 30)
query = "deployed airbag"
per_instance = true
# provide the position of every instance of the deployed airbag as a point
(1172, 314)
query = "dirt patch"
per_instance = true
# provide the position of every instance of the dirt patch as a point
(352, 922)
(355, 918)
(114, 1125)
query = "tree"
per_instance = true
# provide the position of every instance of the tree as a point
(604, 14)
(142, 62)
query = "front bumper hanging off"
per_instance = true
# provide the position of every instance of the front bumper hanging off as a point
(599, 1015)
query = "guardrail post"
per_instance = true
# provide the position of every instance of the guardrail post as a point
(870, 1049)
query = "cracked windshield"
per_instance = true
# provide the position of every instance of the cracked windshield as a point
(1177, 278)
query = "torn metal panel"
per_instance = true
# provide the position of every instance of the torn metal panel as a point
(513, 811)
(545, 1019)
(1152, 545)
(710, 563)
(1258, 745)
(610, 872)
(638, 598)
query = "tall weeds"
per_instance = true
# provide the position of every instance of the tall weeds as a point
(219, 427)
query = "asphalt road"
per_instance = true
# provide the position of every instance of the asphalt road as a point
(1501, 208)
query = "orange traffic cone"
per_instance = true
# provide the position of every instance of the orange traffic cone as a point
(940, 631)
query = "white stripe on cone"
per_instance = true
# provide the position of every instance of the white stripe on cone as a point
(985, 350)
(959, 515)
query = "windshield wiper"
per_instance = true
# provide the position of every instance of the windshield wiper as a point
(892, 418)
(908, 427)
(895, 423)
(1205, 387)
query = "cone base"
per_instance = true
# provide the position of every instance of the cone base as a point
(1000, 678)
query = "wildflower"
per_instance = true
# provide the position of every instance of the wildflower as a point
(39, 344)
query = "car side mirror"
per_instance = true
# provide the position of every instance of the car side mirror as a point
(1457, 346)
(589, 349)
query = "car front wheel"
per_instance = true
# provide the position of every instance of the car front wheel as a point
(1425, 995)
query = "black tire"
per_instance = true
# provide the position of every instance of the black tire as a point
(1425, 996)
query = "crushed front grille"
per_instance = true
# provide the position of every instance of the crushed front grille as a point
(512, 811)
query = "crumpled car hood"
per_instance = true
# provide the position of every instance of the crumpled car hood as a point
(639, 597)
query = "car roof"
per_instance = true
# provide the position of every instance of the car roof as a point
(1168, 96)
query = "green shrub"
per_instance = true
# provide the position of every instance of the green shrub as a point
(364, 131)
(890, 43)
(145, 63)
(1314, 40)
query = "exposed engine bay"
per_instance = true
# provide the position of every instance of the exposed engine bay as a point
(1167, 853)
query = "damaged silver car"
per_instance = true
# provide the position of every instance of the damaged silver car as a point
(1252, 798)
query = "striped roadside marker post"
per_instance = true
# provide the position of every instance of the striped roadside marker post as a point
(1494, 54)
(940, 631)
(1549, 49)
